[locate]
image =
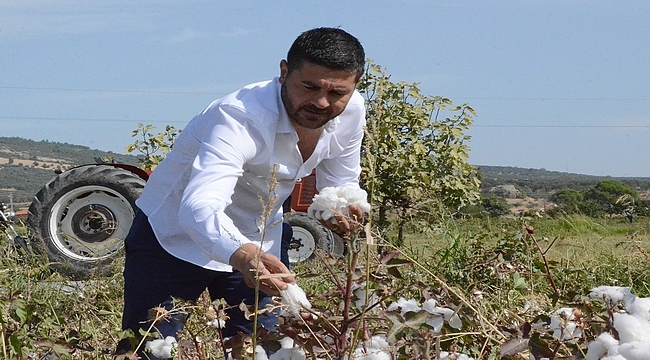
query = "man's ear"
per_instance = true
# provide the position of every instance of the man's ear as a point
(284, 70)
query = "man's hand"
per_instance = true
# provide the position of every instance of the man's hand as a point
(344, 225)
(257, 265)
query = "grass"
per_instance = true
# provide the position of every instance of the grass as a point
(42, 313)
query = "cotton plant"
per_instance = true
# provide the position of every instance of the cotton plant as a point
(332, 200)
(632, 324)
(441, 314)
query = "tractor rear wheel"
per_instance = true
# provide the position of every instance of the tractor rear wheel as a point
(80, 218)
(308, 235)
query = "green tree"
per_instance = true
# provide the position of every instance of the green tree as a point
(414, 156)
(608, 195)
(154, 148)
(490, 206)
(568, 200)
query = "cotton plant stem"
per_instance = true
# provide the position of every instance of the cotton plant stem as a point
(325, 322)
(347, 300)
(332, 273)
(451, 290)
(266, 215)
(549, 275)
(361, 317)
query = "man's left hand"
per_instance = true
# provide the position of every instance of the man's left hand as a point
(342, 224)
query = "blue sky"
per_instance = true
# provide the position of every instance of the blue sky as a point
(561, 85)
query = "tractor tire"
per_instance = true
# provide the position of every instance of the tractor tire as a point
(79, 219)
(309, 235)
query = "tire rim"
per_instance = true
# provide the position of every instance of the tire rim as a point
(89, 223)
(303, 245)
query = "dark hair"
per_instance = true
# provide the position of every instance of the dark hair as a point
(329, 47)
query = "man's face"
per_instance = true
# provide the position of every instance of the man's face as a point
(313, 95)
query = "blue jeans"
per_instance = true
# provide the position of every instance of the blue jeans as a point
(152, 277)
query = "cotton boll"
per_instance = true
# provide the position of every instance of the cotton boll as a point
(455, 356)
(563, 326)
(596, 350)
(631, 328)
(332, 200)
(260, 353)
(614, 357)
(404, 305)
(162, 348)
(378, 342)
(636, 350)
(430, 305)
(292, 299)
(613, 294)
(448, 315)
(218, 323)
(455, 322)
(293, 353)
(639, 307)
(361, 294)
(604, 344)
(286, 343)
(371, 354)
(327, 214)
(436, 323)
(376, 348)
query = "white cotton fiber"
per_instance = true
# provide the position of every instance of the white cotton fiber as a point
(457, 356)
(404, 305)
(331, 200)
(639, 307)
(260, 353)
(448, 315)
(563, 325)
(604, 344)
(631, 328)
(613, 294)
(162, 348)
(636, 350)
(374, 349)
(293, 299)
(294, 353)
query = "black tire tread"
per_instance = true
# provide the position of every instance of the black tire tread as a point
(321, 234)
(123, 181)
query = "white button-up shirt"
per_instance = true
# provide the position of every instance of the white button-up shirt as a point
(208, 197)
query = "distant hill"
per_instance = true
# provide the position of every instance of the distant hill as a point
(27, 165)
(541, 183)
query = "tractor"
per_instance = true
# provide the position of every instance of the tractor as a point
(81, 217)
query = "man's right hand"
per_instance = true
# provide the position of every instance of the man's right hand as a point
(257, 265)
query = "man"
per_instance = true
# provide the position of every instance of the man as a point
(201, 222)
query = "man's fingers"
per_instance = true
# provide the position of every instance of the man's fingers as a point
(356, 213)
(267, 283)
